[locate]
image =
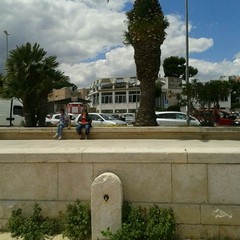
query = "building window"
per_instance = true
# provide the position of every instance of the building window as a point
(120, 97)
(106, 98)
(95, 99)
(134, 96)
(224, 99)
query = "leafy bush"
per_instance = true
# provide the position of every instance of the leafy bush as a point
(77, 223)
(16, 223)
(140, 224)
(160, 224)
(35, 227)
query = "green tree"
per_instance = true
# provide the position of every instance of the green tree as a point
(51, 78)
(30, 76)
(176, 67)
(205, 95)
(235, 91)
(146, 32)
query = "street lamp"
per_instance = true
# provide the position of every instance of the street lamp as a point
(187, 60)
(7, 34)
(11, 104)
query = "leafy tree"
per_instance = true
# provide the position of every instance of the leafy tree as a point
(30, 76)
(235, 91)
(146, 32)
(51, 78)
(205, 95)
(176, 67)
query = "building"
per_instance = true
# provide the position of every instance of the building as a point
(171, 87)
(115, 95)
(120, 95)
(59, 98)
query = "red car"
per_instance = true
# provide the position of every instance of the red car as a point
(206, 118)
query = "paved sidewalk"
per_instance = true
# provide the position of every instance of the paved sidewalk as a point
(109, 145)
(7, 236)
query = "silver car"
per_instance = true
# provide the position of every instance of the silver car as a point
(101, 119)
(56, 118)
(172, 118)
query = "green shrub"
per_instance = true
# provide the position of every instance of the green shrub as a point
(160, 224)
(142, 224)
(138, 224)
(16, 223)
(77, 223)
(34, 227)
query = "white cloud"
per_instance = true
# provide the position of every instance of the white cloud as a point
(212, 71)
(175, 42)
(87, 35)
(119, 62)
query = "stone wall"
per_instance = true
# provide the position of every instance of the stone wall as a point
(199, 180)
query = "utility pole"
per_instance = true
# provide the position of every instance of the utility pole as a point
(7, 34)
(187, 61)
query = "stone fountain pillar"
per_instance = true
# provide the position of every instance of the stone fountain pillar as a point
(106, 204)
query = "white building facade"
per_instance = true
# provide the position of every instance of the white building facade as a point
(122, 95)
(115, 95)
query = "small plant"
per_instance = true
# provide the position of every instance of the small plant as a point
(77, 223)
(16, 223)
(140, 224)
(133, 225)
(35, 227)
(160, 224)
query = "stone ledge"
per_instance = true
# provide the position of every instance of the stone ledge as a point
(185, 133)
(125, 151)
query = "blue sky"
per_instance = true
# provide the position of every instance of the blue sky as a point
(217, 19)
(87, 35)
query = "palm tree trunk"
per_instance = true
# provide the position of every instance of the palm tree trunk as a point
(147, 59)
(42, 110)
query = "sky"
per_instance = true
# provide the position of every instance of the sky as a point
(87, 35)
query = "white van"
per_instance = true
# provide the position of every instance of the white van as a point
(11, 112)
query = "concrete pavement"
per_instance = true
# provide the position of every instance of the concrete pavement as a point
(7, 236)
(114, 146)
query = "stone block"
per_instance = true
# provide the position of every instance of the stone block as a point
(220, 215)
(28, 181)
(197, 231)
(187, 213)
(75, 181)
(224, 187)
(230, 232)
(227, 154)
(189, 183)
(141, 182)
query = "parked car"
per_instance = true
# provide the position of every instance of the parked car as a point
(206, 118)
(174, 118)
(101, 119)
(128, 118)
(56, 117)
(11, 112)
(115, 115)
(48, 120)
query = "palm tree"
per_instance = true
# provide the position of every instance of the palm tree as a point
(30, 76)
(50, 78)
(146, 32)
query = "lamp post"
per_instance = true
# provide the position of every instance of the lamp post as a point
(187, 60)
(11, 104)
(7, 34)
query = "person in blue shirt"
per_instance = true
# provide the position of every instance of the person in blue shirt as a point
(63, 122)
